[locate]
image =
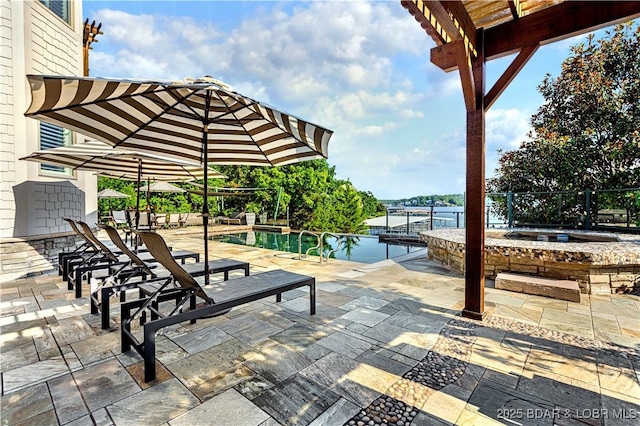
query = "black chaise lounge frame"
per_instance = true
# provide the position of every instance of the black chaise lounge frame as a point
(109, 259)
(142, 269)
(218, 297)
(87, 253)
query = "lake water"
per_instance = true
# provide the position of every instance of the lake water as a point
(364, 249)
(453, 217)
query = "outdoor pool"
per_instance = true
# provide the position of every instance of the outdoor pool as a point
(361, 248)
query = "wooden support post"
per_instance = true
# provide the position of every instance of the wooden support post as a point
(91, 31)
(474, 255)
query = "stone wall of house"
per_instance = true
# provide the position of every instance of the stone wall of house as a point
(22, 257)
(598, 268)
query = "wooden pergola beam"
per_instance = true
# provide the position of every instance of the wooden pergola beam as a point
(444, 21)
(466, 75)
(509, 74)
(428, 22)
(546, 26)
(557, 23)
(516, 8)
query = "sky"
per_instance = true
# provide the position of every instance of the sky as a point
(359, 68)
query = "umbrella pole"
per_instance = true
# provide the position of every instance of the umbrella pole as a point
(205, 208)
(138, 202)
(149, 193)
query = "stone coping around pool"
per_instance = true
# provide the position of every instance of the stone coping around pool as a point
(599, 267)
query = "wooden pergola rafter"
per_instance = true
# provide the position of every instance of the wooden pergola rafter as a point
(468, 33)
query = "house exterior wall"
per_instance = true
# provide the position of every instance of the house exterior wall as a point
(33, 40)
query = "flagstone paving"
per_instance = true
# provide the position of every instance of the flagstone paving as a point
(386, 346)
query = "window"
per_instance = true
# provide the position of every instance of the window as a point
(60, 8)
(52, 136)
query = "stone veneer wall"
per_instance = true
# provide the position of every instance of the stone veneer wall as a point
(599, 268)
(21, 257)
(45, 204)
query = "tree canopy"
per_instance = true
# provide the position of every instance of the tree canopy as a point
(308, 192)
(587, 132)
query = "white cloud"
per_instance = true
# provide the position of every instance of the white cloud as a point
(393, 170)
(505, 129)
(359, 68)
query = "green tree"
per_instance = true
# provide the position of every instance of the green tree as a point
(309, 191)
(587, 132)
(371, 206)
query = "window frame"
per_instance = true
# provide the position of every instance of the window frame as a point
(68, 139)
(66, 5)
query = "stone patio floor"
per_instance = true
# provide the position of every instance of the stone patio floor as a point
(387, 345)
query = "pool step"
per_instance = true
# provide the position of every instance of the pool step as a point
(539, 286)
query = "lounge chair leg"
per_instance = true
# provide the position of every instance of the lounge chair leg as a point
(312, 297)
(155, 307)
(78, 283)
(278, 297)
(149, 353)
(192, 306)
(94, 303)
(104, 304)
(125, 343)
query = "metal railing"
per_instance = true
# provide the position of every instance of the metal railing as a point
(610, 210)
(340, 240)
(305, 232)
(319, 247)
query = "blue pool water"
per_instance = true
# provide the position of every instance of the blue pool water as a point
(362, 248)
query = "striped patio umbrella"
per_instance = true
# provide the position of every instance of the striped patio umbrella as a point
(103, 159)
(199, 120)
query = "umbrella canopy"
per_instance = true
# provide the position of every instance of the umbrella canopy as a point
(101, 158)
(161, 187)
(199, 120)
(111, 193)
(173, 118)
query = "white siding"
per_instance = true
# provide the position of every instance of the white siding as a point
(33, 40)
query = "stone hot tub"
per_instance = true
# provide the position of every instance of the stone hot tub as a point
(601, 263)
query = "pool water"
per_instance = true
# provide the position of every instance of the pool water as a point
(361, 248)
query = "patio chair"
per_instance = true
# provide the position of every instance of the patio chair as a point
(69, 260)
(159, 221)
(119, 218)
(102, 257)
(82, 251)
(145, 223)
(182, 219)
(120, 221)
(235, 219)
(172, 220)
(147, 267)
(107, 259)
(217, 298)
